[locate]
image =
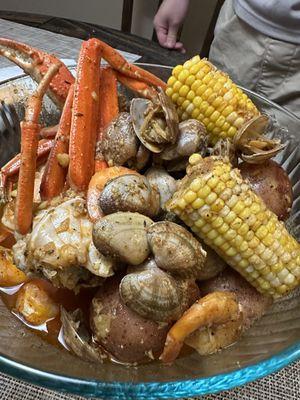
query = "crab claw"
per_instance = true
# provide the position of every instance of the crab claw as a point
(36, 63)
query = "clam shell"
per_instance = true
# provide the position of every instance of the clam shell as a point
(249, 140)
(152, 293)
(119, 143)
(166, 185)
(78, 339)
(130, 193)
(192, 138)
(123, 237)
(175, 249)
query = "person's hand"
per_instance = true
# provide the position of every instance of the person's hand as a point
(168, 20)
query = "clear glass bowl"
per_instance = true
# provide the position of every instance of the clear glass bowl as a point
(270, 345)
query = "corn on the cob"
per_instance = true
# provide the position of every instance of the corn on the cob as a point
(219, 207)
(203, 92)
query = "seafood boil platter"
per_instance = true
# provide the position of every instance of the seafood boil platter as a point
(149, 227)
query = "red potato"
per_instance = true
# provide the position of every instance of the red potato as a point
(124, 334)
(253, 305)
(272, 184)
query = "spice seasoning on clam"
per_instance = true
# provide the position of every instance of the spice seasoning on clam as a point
(130, 193)
(152, 293)
(175, 249)
(119, 143)
(155, 123)
(166, 185)
(122, 236)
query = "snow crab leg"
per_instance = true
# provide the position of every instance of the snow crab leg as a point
(85, 116)
(54, 176)
(29, 144)
(36, 63)
(108, 106)
(10, 171)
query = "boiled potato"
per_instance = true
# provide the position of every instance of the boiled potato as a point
(270, 182)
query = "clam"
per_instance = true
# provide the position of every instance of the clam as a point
(192, 138)
(155, 123)
(152, 293)
(160, 180)
(141, 158)
(77, 337)
(252, 145)
(175, 249)
(119, 143)
(130, 193)
(123, 237)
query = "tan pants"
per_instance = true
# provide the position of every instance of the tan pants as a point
(265, 65)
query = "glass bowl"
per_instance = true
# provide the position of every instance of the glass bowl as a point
(271, 344)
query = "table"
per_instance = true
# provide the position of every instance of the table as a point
(39, 30)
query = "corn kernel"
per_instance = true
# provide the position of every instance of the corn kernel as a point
(211, 198)
(194, 69)
(217, 222)
(243, 230)
(190, 80)
(219, 241)
(268, 240)
(201, 89)
(190, 196)
(169, 91)
(230, 234)
(220, 188)
(175, 97)
(190, 96)
(217, 206)
(183, 91)
(198, 203)
(261, 232)
(196, 84)
(230, 217)
(204, 192)
(177, 85)
(231, 252)
(245, 213)
(185, 104)
(183, 74)
(177, 70)
(232, 131)
(195, 114)
(212, 234)
(181, 203)
(223, 228)
(209, 111)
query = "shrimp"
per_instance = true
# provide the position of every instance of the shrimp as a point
(215, 308)
(96, 185)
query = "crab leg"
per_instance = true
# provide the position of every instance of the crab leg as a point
(142, 88)
(85, 117)
(30, 129)
(54, 176)
(118, 62)
(36, 63)
(108, 105)
(11, 169)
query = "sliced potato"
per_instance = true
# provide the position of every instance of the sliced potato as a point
(10, 275)
(35, 304)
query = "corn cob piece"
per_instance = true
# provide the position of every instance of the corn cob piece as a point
(203, 92)
(220, 208)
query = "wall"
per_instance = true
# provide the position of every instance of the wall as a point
(109, 13)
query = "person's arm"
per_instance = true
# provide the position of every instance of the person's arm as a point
(168, 20)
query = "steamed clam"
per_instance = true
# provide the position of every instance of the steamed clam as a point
(162, 181)
(119, 143)
(130, 193)
(192, 138)
(152, 293)
(175, 249)
(155, 123)
(252, 145)
(122, 236)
